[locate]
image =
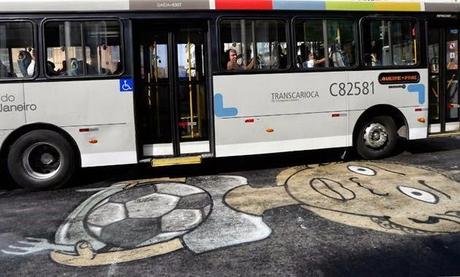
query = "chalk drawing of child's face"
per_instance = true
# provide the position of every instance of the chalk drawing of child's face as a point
(385, 197)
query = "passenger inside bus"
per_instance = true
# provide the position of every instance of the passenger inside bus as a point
(51, 69)
(119, 68)
(312, 61)
(452, 65)
(24, 61)
(302, 56)
(63, 70)
(337, 56)
(33, 64)
(376, 53)
(75, 67)
(3, 70)
(280, 57)
(233, 65)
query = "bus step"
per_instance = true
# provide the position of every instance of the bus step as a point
(176, 161)
(446, 134)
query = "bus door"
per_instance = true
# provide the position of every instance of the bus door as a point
(444, 74)
(171, 83)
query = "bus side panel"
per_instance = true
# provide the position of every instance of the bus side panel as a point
(12, 106)
(269, 113)
(410, 98)
(96, 114)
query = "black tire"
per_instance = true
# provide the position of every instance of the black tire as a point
(377, 138)
(41, 159)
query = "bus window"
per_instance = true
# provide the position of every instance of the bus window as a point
(254, 45)
(341, 43)
(389, 43)
(90, 48)
(325, 43)
(17, 54)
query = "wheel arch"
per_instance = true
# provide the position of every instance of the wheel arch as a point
(383, 110)
(11, 138)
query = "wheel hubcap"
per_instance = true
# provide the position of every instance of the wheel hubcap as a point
(375, 135)
(42, 160)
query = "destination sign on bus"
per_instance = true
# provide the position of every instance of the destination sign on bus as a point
(399, 78)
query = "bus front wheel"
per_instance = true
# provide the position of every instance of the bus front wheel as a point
(41, 159)
(377, 138)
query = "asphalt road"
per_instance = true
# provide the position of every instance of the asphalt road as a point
(301, 214)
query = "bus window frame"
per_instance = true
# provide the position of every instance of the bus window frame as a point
(224, 71)
(356, 35)
(85, 19)
(391, 18)
(36, 48)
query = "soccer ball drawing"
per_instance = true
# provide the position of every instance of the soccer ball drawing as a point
(148, 214)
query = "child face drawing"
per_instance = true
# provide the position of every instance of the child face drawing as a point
(384, 197)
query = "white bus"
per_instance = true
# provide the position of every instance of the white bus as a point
(97, 83)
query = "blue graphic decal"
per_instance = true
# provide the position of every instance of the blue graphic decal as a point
(420, 89)
(219, 109)
(126, 85)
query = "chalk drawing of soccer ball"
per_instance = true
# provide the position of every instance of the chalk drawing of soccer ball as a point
(148, 214)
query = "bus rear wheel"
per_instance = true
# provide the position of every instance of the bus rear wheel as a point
(377, 138)
(41, 159)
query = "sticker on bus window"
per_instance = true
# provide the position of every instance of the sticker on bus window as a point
(126, 85)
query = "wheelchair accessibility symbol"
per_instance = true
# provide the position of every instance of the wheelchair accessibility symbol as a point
(126, 85)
